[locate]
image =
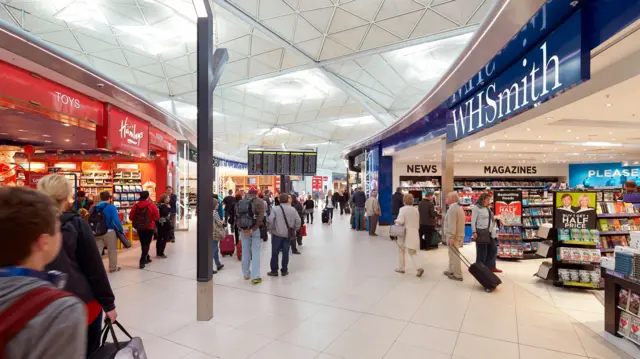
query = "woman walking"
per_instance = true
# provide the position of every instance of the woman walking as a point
(219, 231)
(164, 225)
(485, 232)
(309, 207)
(409, 217)
(329, 205)
(80, 260)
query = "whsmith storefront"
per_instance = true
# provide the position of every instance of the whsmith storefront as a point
(514, 110)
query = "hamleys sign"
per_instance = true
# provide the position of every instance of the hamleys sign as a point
(127, 133)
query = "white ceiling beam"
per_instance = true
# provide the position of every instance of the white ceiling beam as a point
(252, 142)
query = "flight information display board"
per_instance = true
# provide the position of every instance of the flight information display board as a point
(283, 166)
(285, 163)
(269, 163)
(297, 163)
(310, 163)
(255, 162)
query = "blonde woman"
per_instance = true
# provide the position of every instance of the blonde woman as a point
(409, 217)
(329, 205)
(80, 260)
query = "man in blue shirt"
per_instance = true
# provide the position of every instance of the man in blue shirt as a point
(110, 239)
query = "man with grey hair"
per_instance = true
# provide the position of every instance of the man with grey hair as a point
(454, 235)
(372, 208)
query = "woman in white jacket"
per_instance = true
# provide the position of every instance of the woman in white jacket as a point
(409, 217)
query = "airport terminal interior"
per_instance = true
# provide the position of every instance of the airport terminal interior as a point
(397, 128)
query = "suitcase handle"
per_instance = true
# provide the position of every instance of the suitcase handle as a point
(459, 255)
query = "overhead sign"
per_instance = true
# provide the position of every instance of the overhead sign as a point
(125, 133)
(282, 163)
(555, 64)
(21, 85)
(500, 170)
(162, 141)
(602, 174)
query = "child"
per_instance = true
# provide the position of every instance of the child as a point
(39, 320)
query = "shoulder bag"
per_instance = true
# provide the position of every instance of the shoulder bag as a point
(484, 234)
(290, 231)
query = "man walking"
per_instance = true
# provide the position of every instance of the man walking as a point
(283, 223)
(228, 202)
(249, 218)
(396, 203)
(454, 235)
(428, 216)
(173, 211)
(372, 208)
(359, 200)
(109, 214)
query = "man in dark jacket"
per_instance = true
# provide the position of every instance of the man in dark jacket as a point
(396, 203)
(82, 201)
(428, 217)
(229, 202)
(359, 199)
(173, 210)
(144, 211)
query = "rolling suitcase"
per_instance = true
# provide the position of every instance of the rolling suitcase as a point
(227, 245)
(325, 216)
(487, 279)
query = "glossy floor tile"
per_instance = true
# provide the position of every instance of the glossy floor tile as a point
(343, 300)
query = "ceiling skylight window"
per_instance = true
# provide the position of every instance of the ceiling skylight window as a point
(292, 88)
(83, 13)
(348, 122)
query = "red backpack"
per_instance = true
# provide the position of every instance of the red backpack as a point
(17, 315)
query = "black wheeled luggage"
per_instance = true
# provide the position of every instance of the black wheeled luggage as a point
(487, 279)
(325, 216)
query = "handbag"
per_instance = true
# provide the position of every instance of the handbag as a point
(303, 230)
(484, 234)
(397, 230)
(291, 231)
(131, 349)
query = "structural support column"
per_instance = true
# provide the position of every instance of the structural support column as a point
(209, 70)
(448, 166)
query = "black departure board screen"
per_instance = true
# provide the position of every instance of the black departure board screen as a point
(310, 163)
(269, 163)
(283, 166)
(255, 163)
(297, 163)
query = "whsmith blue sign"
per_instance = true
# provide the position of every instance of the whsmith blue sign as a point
(602, 174)
(556, 63)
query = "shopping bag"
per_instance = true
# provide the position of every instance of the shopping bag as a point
(303, 230)
(130, 349)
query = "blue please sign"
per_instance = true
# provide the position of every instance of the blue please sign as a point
(556, 63)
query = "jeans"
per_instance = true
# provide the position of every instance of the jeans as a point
(251, 254)
(145, 242)
(330, 214)
(110, 240)
(359, 215)
(486, 253)
(93, 335)
(280, 244)
(310, 215)
(216, 253)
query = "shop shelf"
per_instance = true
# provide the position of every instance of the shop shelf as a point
(578, 262)
(580, 243)
(614, 233)
(580, 284)
(607, 250)
(538, 215)
(618, 215)
(538, 205)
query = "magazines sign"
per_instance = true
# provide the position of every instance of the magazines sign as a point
(127, 134)
(508, 205)
(575, 210)
(553, 65)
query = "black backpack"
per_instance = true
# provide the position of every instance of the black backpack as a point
(245, 218)
(98, 223)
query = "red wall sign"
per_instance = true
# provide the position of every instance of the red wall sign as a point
(162, 141)
(316, 183)
(126, 133)
(94, 166)
(34, 178)
(18, 84)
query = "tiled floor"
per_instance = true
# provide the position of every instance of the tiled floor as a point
(343, 300)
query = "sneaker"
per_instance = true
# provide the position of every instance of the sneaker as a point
(447, 273)
(400, 271)
(285, 273)
(273, 274)
(162, 256)
(420, 273)
(296, 252)
(256, 281)
(220, 266)
(246, 277)
(214, 271)
(114, 270)
(453, 277)
(142, 265)
(496, 270)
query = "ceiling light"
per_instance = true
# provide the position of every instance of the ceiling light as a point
(23, 138)
(506, 136)
(67, 140)
(577, 138)
(528, 129)
(84, 144)
(47, 141)
(46, 136)
(66, 125)
(549, 118)
(3, 133)
(635, 162)
(539, 136)
(23, 131)
(613, 139)
(569, 130)
(608, 105)
(482, 144)
(283, 146)
(507, 145)
(493, 147)
(541, 145)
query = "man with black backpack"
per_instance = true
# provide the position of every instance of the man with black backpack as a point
(249, 218)
(104, 221)
(144, 215)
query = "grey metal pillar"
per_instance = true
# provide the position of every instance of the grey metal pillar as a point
(209, 70)
(448, 165)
